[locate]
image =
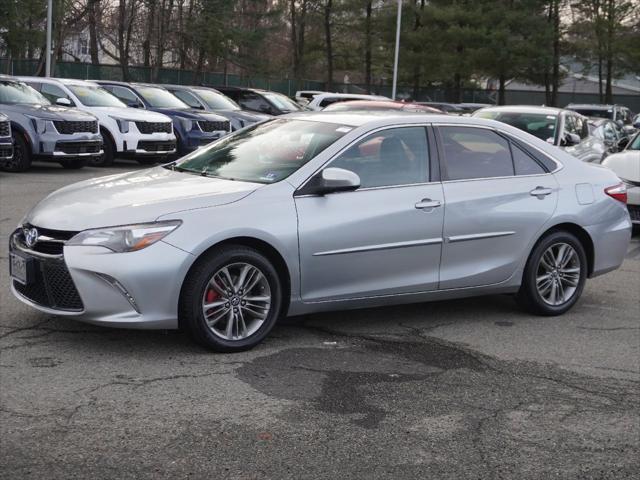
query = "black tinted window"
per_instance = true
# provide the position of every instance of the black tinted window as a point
(187, 98)
(397, 156)
(523, 163)
(475, 153)
(253, 101)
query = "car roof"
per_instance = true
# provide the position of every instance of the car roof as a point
(357, 119)
(392, 104)
(189, 87)
(239, 89)
(64, 81)
(524, 109)
(593, 106)
(360, 96)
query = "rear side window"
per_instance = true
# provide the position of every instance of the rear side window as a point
(255, 102)
(523, 163)
(475, 153)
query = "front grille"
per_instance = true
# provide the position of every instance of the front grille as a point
(154, 127)
(68, 127)
(6, 151)
(5, 129)
(75, 148)
(208, 126)
(52, 286)
(49, 241)
(634, 212)
(151, 146)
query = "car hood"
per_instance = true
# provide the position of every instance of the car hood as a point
(134, 114)
(49, 112)
(625, 165)
(191, 114)
(134, 197)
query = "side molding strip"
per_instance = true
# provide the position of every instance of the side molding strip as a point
(477, 236)
(382, 246)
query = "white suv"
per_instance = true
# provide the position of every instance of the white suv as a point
(127, 132)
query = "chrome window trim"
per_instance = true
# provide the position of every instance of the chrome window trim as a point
(559, 165)
(356, 140)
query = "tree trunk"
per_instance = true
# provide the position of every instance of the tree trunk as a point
(367, 47)
(327, 34)
(611, 25)
(502, 89)
(146, 44)
(93, 31)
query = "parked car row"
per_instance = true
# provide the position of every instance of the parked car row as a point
(78, 122)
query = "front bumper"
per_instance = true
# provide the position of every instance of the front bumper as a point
(57, 146)
(125, 290)
(633, 203)
(6, 150)
(198, 138)
(136, 144)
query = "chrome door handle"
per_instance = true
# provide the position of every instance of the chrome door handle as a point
(427, 203)
(540, 192)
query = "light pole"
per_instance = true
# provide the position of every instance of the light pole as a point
(47, 69)
(395, 59)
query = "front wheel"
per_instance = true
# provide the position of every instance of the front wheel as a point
(231, 299)
(21, 160)
(555, 275)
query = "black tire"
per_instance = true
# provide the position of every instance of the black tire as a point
(73, 164)
(529, 295)
(21, 160)
(195, 288)
(109, 149)
(147, 161)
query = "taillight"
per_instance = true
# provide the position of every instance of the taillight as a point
(617, 192)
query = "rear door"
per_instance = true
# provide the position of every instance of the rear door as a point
(497, 198)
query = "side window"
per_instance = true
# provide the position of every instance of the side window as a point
(582, 127)
(253, 101)
(124, 94)
(397, 156)
(53, 93)
(523, 163)
(330, 100)
(188, 98)
(609, 132)
(475, 153)
(570, 124)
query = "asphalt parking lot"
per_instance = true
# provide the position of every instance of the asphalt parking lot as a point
(470, 388)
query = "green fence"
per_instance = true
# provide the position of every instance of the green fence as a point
(289, 87)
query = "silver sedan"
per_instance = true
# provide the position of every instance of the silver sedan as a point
(316, 212)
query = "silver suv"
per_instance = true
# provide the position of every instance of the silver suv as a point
(6, 143)
(127, 132)
(42, 131)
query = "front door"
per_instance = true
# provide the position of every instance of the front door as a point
(497, 199)
(383, 238)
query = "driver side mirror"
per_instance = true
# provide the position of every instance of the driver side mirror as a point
(331, 180)
(63, 102)
(570, 139)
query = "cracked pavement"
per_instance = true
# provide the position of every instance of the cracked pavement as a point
(471, 388)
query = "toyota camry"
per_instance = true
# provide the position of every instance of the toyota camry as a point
(316, 212)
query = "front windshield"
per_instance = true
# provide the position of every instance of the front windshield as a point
(541, 125)
(160, 98)
(283, 102)
(264, 153)
(95, 96)
(595, 112)
(215, 100)
(12, 93)
(635, 143)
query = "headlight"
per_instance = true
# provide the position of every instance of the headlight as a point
(123, 124)
(128, 238)
(39, 125)
(187, 124)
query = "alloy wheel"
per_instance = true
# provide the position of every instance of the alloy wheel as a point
(236, 301)
(558, 274)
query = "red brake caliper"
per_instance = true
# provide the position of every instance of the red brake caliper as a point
(211, 296)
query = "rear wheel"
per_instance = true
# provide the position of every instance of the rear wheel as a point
(231, 299)
(21, 160)
(555, 275)
(74, 164)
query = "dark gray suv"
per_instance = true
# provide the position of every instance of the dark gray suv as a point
(42, 131)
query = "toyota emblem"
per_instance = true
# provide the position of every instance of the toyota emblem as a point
(30, 236)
